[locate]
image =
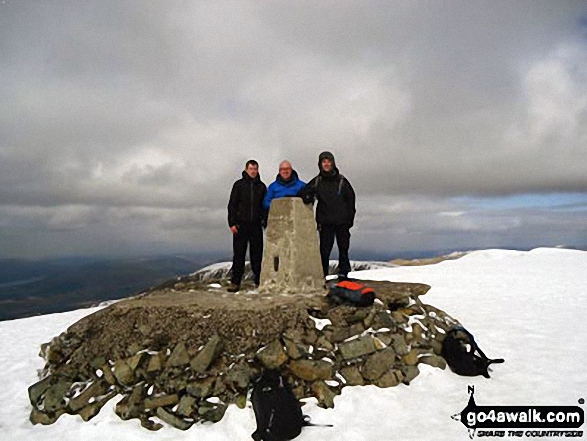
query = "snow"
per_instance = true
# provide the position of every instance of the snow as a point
(527, 307)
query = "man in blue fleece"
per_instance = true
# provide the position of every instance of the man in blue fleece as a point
(286, 184)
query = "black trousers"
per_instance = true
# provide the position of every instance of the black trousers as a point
(247, 234)
(343, 239)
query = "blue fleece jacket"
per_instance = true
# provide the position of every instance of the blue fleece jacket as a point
(280, 188)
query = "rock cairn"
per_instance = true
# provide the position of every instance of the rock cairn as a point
(185, 351)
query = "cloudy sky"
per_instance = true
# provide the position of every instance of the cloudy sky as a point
(461, 124)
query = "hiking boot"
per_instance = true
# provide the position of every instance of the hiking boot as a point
(233, 287)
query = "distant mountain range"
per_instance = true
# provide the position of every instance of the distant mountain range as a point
(30, 288)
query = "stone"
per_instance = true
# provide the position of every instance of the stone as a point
(39, 417)
(352, 376)
(356, 329)
(385, 338)
(186, 406)
(90, 411)
(384, 320)
(173, 420)
(149, 424)
(434, 361)
(323, 394)
(410, 372)
(201, 388)
(123, 373)
(156, 362)
(54, 396)
(131, 405)
(98, 362)
(212, 411)
(322, 343)
(38, 389)
(207, 355)
(108, 375)
(311, 370)
(378, 363)
(241, 401)
(161, 401)
(358, 316)
(272, 356)
(399, 344)
(390, 379)
(417, 331)
(291, 257)
(97, 388)
(357, 348)
(239, 376)
(398, 317)
(295, 350)
(179, 356)
(338, 334)
(436, 346)
(411, 358)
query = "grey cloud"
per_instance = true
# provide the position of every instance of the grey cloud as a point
(131, 106)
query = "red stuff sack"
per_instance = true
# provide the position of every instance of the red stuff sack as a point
(351, 293)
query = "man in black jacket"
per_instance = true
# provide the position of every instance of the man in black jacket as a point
(246, 219)
(335, 212)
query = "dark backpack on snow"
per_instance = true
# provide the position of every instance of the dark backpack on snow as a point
(463, 356)
(277, 411)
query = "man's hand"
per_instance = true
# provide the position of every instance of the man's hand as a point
(234, 229)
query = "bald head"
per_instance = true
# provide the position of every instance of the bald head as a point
(285, 170)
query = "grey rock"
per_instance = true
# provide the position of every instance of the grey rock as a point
(434, 361)
(97, 388)
(108, 375)
(239, 376)
(294, 349)
(131, 405)
(390, 378)
(399, 344)
(156, 362)
(161, 401)
(123, 373)
(436, 346)
(38, 389)
(179, 356)
(324, 394)
(201, 388)
(378, 363)
(54, 397)
(206, 356)
(352, 375)
(410, 372)
(90, 411)
(40, 417)
(311, 370)
(187, 406)
(212, 412)
(272, 356)
(173, 420)
(322, 343)
(357, 348)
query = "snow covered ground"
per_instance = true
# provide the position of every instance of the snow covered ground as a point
(527, 307)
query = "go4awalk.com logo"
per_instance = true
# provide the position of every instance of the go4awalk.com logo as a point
(521, 421)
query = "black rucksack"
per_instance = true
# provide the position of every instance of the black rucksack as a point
(277, 411)
(463, 356)
(350, 293)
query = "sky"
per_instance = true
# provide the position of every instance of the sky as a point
(460, 124)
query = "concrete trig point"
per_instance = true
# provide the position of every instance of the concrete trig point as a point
(291, 259)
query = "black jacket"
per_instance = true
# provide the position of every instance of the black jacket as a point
(335, 196)
(246, 202)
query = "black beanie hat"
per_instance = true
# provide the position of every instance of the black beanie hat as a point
(326, 155)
